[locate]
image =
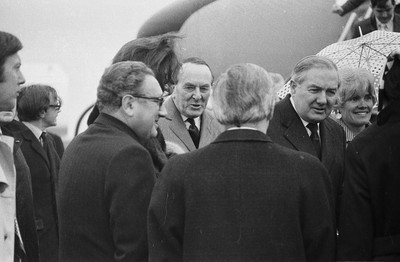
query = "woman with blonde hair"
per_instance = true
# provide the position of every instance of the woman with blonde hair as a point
(355, 100)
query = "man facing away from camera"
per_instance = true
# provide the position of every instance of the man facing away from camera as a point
(238, 199)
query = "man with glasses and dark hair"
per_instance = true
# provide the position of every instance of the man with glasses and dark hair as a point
(301, 120)
(38, 107)
(107, 175)
(189, 124)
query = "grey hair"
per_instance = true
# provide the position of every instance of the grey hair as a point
(310, 62)
(243, 94)
(118, 80)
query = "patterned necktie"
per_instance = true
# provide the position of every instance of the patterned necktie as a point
(315, 138)
(194, 132)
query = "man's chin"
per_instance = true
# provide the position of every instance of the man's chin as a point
(6, 116)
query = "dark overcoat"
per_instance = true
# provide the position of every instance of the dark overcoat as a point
(105, 183)
(287, 129)
(369, 225)
(44, 176)
(242, 198)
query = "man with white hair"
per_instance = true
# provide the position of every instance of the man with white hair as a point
(238, 199)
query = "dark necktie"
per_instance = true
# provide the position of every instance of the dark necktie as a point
(45, 143)
(194, 132)
(315, 138)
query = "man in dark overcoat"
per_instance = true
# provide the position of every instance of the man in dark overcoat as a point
(107, 175)
(313, 86)
(242, 198)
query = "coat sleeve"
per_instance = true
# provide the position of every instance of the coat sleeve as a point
(128, 185)
(166, 215)
(356, 221)
(350, 5)
(317, 216)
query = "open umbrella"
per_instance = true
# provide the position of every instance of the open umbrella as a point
(369, 51)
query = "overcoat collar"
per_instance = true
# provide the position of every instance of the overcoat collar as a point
(297, 134)
(108, 120)
(242, 135)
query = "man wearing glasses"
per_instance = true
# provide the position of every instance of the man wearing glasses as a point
(189, 124)
(38, 107)
(107, 175)
(301, 120)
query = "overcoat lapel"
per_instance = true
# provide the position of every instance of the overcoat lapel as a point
(327, 141)
(178, 127)
(36, 146)
(295, 131)
(208, 129)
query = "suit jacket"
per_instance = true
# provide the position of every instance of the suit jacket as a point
(174, 129)
(58, 144)
(369, 227)
(106, 178)
(237, 199)
(287, 129)
(24, 198)
(368, 25)
(44, 179)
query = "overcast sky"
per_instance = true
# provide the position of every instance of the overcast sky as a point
(68, 43)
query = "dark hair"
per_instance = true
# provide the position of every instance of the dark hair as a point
(157, 52)
(379, 3)
(118, 80)
(33, 100)
(9, 45)
(198, 61)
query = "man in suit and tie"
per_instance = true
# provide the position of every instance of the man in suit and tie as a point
(38, 107)
(383, 18)
(189, 124)
(107, 175)
(301, 120)
(17, 228)
(242, 197)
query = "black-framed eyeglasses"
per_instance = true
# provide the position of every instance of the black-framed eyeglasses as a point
(159, 100)
(56, 107)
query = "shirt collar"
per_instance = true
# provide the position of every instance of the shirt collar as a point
(196, 121)
(35, 130)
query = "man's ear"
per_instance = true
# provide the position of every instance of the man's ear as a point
(293, 86)
(42, 114)
(128, 104)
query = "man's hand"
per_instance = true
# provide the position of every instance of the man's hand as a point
(337, 9)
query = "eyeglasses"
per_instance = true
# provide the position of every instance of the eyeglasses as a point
(158, 100)
(56, 107)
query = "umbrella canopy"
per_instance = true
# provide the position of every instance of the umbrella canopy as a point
(369, 51)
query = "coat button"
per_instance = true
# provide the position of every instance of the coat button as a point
(5, 237)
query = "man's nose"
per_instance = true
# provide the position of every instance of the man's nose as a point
(21, 78)
(162, 112)
(197, 93)
(321, 98)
